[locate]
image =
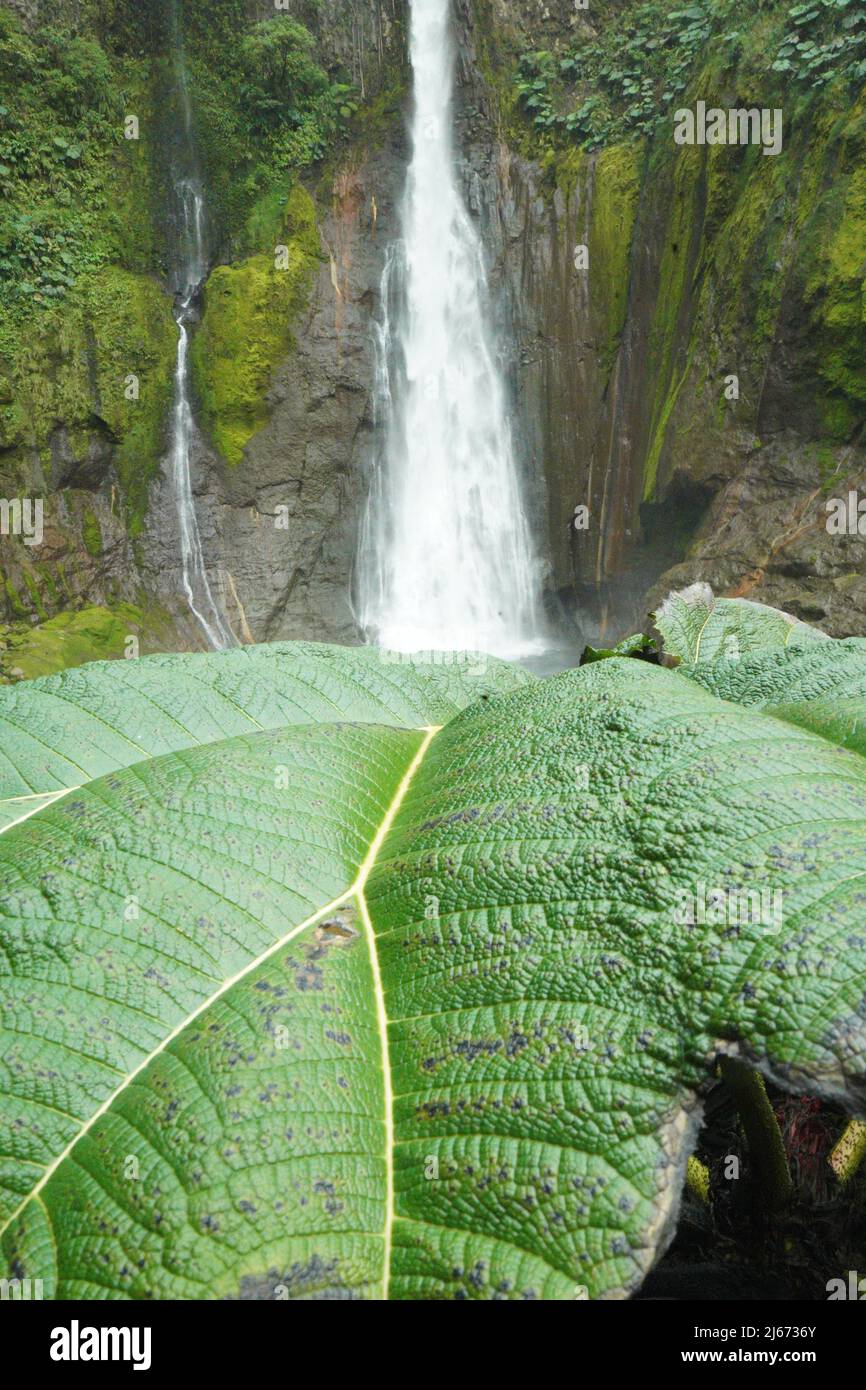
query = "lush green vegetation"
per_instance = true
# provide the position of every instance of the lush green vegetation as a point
(66, 171)
(823, 40)
(83, 303)
(266, 111)
(285, 91)
(80, 304)
(622, 82)
(77, 195)
(627, 75)
(75, 191)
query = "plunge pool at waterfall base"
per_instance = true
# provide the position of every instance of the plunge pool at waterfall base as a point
(551, 660)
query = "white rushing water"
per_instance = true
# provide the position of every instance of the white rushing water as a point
(446, 559)
(189, 274)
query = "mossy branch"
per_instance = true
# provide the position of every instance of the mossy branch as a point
(698, 1179)
(849, 1152)
(763, 1135)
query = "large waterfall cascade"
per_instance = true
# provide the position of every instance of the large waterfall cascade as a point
(446, 558)
(189, 272)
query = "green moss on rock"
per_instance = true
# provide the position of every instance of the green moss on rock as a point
(74, 369)
(91, 533)
(250, 309)
(71, 639)
(670, 316)
(13, 598)
(35, 596)
(836, 290)
(616, 186)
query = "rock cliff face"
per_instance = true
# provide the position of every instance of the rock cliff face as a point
(283, 515)
(282, 363)
(279, 502)
(633, 278)
(703, 263)
(284, 518)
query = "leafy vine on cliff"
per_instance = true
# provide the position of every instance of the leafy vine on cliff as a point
(623, 78)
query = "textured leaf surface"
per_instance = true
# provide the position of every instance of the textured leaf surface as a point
(61, 731)
(138, 978)
(696, 626)
(552, 1026)
(428, 1019)
(821, 687)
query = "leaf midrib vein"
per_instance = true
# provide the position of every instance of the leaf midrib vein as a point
(355, 890)
(381, 1013)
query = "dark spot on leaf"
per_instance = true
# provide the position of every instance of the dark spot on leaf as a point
(338, 930)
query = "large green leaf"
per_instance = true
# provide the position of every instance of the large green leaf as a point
(696, 626)
(60, 731)
(821, 686)
(337, 1010)
(759, 656)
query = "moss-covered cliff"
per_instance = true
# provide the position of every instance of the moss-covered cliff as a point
(88, 122)
(250, 310)
(283, 103)
(705, 263)
(87, 339)
(299, 119)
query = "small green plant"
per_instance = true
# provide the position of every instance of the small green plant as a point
(826, 39)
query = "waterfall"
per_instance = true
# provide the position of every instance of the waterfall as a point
(189, 271)
(446, 559)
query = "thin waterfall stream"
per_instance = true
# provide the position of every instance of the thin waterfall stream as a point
(189, 271)
(446, 557)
